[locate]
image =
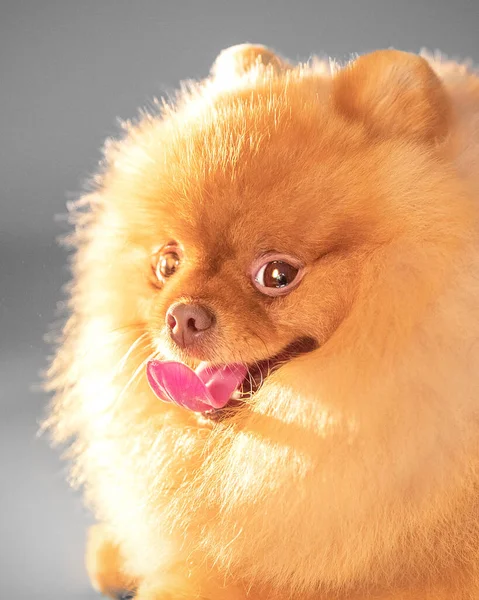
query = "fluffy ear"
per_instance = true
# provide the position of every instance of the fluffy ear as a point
(239, 60)
(395, 94)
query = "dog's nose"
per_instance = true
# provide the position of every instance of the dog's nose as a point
(188, 322)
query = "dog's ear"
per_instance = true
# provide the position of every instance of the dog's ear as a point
(239, 60)
(394, 94)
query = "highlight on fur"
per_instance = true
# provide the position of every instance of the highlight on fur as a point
(352, 473)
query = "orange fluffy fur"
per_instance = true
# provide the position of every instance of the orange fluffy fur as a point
(353, 472)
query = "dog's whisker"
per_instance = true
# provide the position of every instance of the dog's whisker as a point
(135, 374)
(129, 352)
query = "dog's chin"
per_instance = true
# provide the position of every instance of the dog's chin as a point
(257, 374)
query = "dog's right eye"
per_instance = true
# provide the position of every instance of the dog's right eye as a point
(166, 261)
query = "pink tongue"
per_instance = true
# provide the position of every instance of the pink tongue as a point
(201, 390)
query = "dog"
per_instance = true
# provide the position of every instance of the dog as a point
(269, 378)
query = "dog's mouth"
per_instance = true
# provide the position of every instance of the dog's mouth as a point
(256, 375)
(215, 391)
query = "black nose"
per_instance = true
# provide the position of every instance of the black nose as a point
(188, 322)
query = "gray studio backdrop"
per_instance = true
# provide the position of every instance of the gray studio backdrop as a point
(68, 68)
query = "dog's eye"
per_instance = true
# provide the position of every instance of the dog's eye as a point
(277, 275)
(166, 261)
(168, 264)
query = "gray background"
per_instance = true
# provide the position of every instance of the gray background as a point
(67, 70)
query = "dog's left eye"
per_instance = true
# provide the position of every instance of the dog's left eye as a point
(278, 276)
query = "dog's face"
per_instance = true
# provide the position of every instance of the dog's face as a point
(250, 218)
(251, 244)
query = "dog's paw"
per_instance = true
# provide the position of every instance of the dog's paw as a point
(125, 596)
(105, 566)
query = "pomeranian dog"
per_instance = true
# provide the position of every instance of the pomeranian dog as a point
(270, 376)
